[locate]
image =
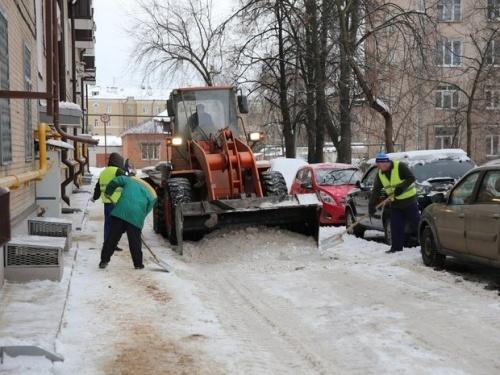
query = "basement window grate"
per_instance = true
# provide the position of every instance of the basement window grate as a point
(24, 256)
(49, 229)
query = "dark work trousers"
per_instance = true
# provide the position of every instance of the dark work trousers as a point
(108, 207)
(400, 218)
(117, 228)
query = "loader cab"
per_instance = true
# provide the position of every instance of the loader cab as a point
(199, 113)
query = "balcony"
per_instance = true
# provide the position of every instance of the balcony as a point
(84, 39)
(84, 15)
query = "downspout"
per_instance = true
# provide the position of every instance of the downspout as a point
(57, 98)
(15, 181)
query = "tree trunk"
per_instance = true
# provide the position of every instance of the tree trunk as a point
(283, 87)
(344, 151)
(310, 82)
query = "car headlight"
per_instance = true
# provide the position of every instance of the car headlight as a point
(176, 141)
(326, 198)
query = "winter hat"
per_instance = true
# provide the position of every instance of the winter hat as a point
(115, 160)
(381, 157)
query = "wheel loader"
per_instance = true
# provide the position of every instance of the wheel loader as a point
(212, 180)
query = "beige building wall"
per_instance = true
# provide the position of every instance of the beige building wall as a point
(124, 113)
(20, 33)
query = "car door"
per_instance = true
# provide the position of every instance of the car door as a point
(362, 197)
(482, 219)
(296, 188)
(450, 218)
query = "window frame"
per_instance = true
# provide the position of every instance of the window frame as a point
(492, 56)
(442, 49)
(440, 4)
(6, 156)
(152, 148)
(28, 107)
(492, 98)
(493, 10)
(445, 91)
(442, 137)
(490, 138)
(367, 174)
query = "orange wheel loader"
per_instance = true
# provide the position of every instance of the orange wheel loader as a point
(211, 179)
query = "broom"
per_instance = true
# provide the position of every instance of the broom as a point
(338, 238)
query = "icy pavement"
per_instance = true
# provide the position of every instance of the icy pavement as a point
(256, 301)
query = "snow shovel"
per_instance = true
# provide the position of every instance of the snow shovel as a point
(338, 239)
(164, 265)
(85, 214)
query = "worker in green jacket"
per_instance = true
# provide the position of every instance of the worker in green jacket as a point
(136, 202)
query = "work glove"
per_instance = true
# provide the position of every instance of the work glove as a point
(398, 190)
(371, 211)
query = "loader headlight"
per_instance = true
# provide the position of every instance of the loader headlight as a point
(326, 198)
(255, 136)
(176, 141)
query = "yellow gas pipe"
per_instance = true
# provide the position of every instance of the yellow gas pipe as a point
(15, 181)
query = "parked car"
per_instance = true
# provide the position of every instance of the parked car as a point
(332, 182)
(466, 222)
(435, 171)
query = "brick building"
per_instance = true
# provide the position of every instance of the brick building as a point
(430, 103)
(23, 57)
(144, 145)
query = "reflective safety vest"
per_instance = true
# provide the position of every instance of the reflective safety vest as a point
(389, 186)
(105, 178)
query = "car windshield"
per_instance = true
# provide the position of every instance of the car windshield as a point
(206, 112)
(327, 176)
(441, 169)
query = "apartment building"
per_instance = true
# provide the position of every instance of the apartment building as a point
(23, 68)
(458, 86)
(126, 108)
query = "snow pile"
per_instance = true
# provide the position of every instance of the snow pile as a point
(70, 105)
(287, 167)
(249, 244)
(110, 140)
(427, 156)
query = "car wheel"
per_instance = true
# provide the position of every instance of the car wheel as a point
(429, 251)
(387, 232)
(358, 230)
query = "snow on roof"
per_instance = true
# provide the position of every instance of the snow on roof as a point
(428, 155)
(149, 127)
(97, 92)
(288, 168)
(162, 116)
(110, 140)
(70, 105)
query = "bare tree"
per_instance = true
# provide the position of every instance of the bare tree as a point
(174, 35)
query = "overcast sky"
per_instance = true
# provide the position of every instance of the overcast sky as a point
(114, 47)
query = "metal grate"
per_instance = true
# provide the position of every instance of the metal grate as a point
(47, 228)
(25, 256)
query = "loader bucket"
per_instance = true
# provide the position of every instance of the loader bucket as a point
(298, 213)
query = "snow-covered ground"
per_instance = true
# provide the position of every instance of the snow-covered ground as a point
(255, 301)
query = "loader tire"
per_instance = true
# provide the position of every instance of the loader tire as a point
(273, 184)
(159, 213)
(178, 191)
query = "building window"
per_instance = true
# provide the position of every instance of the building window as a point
(444, 137)
(493, 53)
(96, 123)
(446, 97)
(494, 10)
(108, 109)
(28, 112)
(492, 99)
(150, 151)
(449, 53)
(130, 109)
(5, 130)
(144, 110)
(130, 123)
(493, 141)
(158, 110)
(449, 10)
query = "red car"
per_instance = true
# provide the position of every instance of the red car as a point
(332, 182)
